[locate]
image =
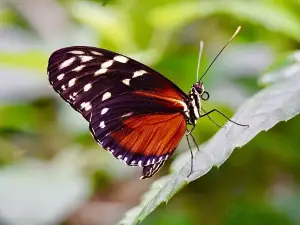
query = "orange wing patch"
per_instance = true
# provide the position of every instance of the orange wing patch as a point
(151, 135)
(163, 96)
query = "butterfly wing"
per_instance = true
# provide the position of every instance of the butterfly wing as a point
(146, 140)
(83, 75)
(134, 112)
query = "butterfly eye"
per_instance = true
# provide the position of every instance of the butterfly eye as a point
(205, 96)
(199, 88)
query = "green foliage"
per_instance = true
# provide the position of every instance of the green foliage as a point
(278, 18)
(25, 60)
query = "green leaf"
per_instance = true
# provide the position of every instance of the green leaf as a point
(272, 16)
(278, 102)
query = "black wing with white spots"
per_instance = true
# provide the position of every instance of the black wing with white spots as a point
(129, 105)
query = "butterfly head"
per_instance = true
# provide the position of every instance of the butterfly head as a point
(198, 88)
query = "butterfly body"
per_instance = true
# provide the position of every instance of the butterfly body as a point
(134, 112)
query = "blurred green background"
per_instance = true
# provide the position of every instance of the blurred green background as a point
(53, 172)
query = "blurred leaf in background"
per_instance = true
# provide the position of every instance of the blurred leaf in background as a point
(46, 149)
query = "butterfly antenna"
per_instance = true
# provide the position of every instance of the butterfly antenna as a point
(199, 58)
(230, 40)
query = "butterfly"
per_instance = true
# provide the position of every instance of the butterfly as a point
(134, 112)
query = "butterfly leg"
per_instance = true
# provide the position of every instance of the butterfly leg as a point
(190, 131)
(192, 155)
(215, 110)
(211, 118)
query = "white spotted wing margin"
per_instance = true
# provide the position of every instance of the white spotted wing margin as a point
(149, 171)
(107, 89)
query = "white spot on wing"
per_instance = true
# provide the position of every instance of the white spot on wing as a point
(106, 95)
(121, 59)
(104, 110)
(125, 159)
(96, 53)
(71, 98)
(67, 62)
(60, 76)
(138, 73)
(78, 68)
(77, 52)
(86, 105)
(72, 82)
(100, 71)
(140, 163)
(126, 81)
(148, 162)
(63, 87)
(107, 64)
(85, 58)
(87, 87)
(127, 114)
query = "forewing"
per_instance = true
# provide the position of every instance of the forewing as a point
(86, 76)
